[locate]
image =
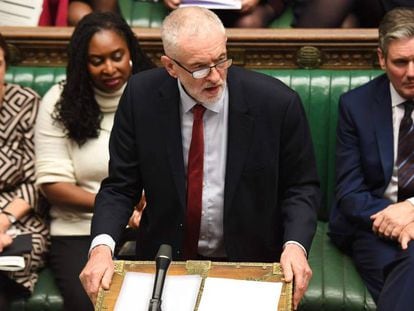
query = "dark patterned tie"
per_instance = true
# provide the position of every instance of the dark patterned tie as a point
(405, 160)
(194, 184)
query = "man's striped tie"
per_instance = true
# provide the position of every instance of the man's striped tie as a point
(405, 160)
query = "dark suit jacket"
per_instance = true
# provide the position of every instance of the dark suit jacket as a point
(271, 183)
(364, 158)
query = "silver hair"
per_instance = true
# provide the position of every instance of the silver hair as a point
(396, 24)
(189, 21)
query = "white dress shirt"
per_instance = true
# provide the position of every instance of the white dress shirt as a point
(215, 121)
(391, 192)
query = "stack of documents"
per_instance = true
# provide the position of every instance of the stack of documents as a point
(11, 258)
(11, 263)
(181, 291)
(213, 4)
(179, 294)
(20, 12)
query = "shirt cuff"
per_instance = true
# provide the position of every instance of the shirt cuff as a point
(411, 200)
(298, 244)
(103, 239)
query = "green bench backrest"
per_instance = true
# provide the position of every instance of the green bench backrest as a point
(39, 79)
(318, 89)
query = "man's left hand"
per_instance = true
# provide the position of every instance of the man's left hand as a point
(135, 219)
(406, 235)
(295, 267)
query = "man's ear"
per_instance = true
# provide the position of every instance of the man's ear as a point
(169, 65)
(381, 58)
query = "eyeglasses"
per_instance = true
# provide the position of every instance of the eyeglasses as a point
(204, 72)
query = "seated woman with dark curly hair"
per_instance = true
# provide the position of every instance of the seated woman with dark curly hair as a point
(72, 136)
(18, 194)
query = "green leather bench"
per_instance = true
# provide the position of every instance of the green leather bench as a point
(336, 284)
(150, 13)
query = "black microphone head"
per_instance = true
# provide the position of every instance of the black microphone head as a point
(163, 258)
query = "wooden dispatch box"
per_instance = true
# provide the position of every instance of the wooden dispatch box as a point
(269, 272)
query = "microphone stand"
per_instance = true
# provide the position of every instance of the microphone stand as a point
(155, 305)
(162, 261)
(155, 302)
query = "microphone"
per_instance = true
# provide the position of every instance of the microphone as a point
(162, 262)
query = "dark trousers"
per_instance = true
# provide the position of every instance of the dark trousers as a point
(386, 269)
(68, 256)
(10, 290)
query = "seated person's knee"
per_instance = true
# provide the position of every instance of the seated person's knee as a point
(77, 10)
(260, 17)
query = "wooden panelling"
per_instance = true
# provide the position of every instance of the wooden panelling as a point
(252, 48)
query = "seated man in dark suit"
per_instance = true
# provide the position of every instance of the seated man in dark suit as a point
(225, 157)
(374, 214)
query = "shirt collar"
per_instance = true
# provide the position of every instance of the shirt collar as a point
(187, 102)
(396, 99)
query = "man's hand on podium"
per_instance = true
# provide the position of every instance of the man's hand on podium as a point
(98, 271)
(295, 267)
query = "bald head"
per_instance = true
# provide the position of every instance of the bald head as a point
(188, 24)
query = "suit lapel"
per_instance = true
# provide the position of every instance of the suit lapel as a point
(240, 129)
(169, 104)
(382, 111)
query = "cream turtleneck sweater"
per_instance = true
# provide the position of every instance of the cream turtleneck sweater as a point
(59, 159)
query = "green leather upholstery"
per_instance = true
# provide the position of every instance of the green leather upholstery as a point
(320, 91)
(46, 296)
(143, 13)
(336, 284)
(285, 20)
(39, 79)
(150, 13)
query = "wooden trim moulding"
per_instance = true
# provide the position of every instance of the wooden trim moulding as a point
(251, 48)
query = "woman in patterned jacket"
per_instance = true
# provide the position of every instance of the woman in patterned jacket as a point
(18, 194)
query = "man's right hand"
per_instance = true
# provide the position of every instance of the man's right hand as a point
(98, 271)
(296, 268)
(390, 222)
